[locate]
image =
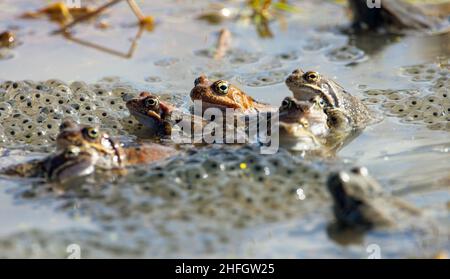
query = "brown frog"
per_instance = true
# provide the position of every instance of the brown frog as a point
(86, 148)
(151, 112)
(307, 85)
(222, 95)
(63, 165)
(159, 116)
(111, 151)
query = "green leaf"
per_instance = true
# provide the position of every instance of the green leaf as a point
(286, 7)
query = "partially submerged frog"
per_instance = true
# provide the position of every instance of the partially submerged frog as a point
(308, 85)
(68, 163)
(222, 94)
(305, 122)
(82, 149)
(305, 125)
(395, 15)
(306, 113)
(114, 153)
(7, 39)
(360, 202)
(150, 111)
(159, 116)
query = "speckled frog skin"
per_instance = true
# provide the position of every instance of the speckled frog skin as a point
(307, 85)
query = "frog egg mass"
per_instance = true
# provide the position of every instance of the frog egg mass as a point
(31, 112)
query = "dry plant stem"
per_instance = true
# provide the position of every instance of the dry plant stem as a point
(87, 16)
(135, 41)
(223, 43)
(136, 10)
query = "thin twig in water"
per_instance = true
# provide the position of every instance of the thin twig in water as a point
(136, 10)
(87, 16)
(223, 43)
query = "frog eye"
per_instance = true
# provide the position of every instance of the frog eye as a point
(287, 103)
(311, 76)
(360, 171)
(92, 133)
(151, 102)
(222, 87)
(318, 101)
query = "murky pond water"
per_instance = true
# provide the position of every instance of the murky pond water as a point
(110, 217)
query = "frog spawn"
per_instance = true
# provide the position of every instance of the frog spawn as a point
(428, 106)
(206, 194)
(239, 187)
(346, 55)
(31, 112)
(432, 110)
(427, 72)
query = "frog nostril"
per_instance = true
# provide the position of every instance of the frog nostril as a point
(201, 79)
(196, 81)
(360, 170)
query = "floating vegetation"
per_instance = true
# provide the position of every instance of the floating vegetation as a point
(69, 17)
(263, 11)
(258, 12)
(59, 12)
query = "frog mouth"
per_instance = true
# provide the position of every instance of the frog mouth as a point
(219, 104)
(62, 168)
(298, 133)
(154, 115)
